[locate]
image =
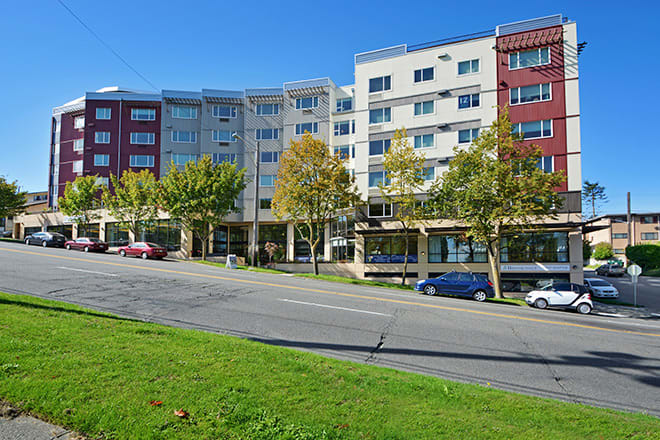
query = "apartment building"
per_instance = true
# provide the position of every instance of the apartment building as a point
(443, 92)
(613, 229)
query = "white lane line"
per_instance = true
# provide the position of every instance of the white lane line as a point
(332, 307)
(89, 271)
(615, 315)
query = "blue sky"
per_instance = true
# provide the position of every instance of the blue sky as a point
(48, 58)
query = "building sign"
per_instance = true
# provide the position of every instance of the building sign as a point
(535, 267)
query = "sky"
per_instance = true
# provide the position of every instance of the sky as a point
(48, 58)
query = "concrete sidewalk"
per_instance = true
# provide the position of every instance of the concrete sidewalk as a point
(17, 426)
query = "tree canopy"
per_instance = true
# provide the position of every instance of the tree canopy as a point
(81, 202)
(593, 195)
(12, 199)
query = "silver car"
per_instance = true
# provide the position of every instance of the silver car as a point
(610, 270)
(600, 288)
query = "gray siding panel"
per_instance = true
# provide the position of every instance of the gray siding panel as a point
(380, 54)
(527, 25)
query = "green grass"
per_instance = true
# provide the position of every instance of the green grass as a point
(652, 272)
(97, 373)
(250, 268)
(592, 266)
(13, 240)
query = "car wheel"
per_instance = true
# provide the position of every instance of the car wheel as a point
(86, 248)
(68, 247)
(430, 289)
(144, 255)
(44, 243)
(122, 253)
(584, 308)
(540, 303)
(27, 242)
(479, 295)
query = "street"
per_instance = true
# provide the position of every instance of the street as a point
(594, 360)
(648, 289)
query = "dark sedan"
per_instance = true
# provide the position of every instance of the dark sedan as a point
(46, 239)
(87, 244)
(143, 249)
(467, 284)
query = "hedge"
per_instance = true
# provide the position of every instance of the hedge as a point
(645, 255)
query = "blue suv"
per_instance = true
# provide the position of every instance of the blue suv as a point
(475, 286)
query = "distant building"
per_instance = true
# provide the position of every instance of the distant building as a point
(34, 202)
(613, 229)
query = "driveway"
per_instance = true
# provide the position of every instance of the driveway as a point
(648, 289)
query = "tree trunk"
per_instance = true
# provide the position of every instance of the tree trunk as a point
(315, 263)
(494, 267)
(204, 248)
(405, 260)
(593, 207)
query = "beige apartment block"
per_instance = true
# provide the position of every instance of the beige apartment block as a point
(613, 229)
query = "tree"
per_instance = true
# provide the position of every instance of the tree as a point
(586, 250)
(134, 202)
(404, 176)
(81, 202)
(603, 251)
(202, 195)
(495, 187)
(312, 186)
(12, 199)
(593, 194)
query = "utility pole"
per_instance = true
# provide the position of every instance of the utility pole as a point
(628, 220)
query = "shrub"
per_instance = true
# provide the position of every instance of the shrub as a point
(586, 250)
(603, 251)
(645, 255)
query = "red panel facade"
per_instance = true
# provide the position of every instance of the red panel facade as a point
(91, 147)
(129, 126)
(67, 156)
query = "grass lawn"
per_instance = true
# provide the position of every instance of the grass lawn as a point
(652, 273)
(13, 240)
(250, 268)
(97, 374)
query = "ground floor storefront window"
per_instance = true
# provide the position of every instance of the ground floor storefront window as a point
(526, 282)
(342, 241)
(390, 249)
(275, 234)
(166, 233)
(455, 249)
(66, 230)
(116, 235)
(545, 247)
(301, 249)
(238, 241)
(91, 230)
(32, 229)
(220, 236)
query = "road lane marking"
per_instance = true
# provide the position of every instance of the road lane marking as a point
(328, 292)
(332, 307)
(88, 271)
(615, 315)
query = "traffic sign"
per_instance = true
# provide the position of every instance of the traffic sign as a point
(634, 270)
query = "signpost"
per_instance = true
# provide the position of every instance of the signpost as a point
(634, 271)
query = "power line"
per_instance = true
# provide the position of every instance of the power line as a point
(107, 45)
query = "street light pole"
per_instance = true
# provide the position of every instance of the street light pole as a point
(254, 254)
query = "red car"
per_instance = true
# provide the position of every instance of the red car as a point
(87, 244)
(143, 249)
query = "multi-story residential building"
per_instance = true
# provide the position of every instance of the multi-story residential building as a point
(613, 229)
(444, 93)
(35, 202)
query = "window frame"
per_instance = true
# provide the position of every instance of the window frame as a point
(338, 125)
(389, 112)
(178, 107)
(79, 122)
(471, 98)
(301, 99)
(421, 106)
(382, 78)
(106, 161)
(135, 112)
(384, 150)
(384, 205)
(191, 157)
(77, 164)
(340, 105)
(275, 133)
(299, 130)
(273, 105)
(271, 177)
(79, 144)
(384, 178)
(539, 49)
(215, 157)
(350, 151)
(540, 88)
(233, 111)
(472, 137)
(102, 133)
(150, 141)
(273, 154)
(421, 75)
(421, 137)
(519, 124)
(643, 236)
(270, 203)
(132, 156)
(109, 109)
(471, 72)
(217, 139)
(183, 142)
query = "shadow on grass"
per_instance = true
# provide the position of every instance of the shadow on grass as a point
(19, 303)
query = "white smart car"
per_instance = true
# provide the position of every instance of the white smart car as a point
(563, 295)
(600, 288)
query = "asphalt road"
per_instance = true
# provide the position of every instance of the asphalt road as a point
(596, 360)
(648, 289)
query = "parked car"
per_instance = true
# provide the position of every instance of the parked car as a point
(610, 270)
(143, 249)
(475, 286)
(601, 288)
(6, 234)
(562, 295)
(87, 244)
(46, 239)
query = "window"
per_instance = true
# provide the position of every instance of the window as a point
(164, 232)
(423, 108)
(103, 112)
(267, 133)
(142, 161)
(619, 251)
(102, 181)
(429, 173)
(265, 203)
(182, 158)
(551, 247)
(312, 127)
(546, 164)
(424, 141)
(390, 249)
(143, 138)
(187, 137)
(345, 151)
(426, 74)
(380, 115)
(224, 111)
(524, 95)
(467, 136)
(455, 249)
(77, 166)
(143, 114)
(223, 157)
(467, 67)
(305, 103)
(534, 129)
(380, 84)
(647, 219)
(184, 112)
(623, 235)
(468, 101)
(529, 58)
(101, 160)
(79, 122)
(377, 148)
(223, 136)
(269, 157)
(267, 109)
(378, 177)
(344, 104)
(267, 180)
(649, 235)
(344, 127)
(78, 144)
(380, 210)
(102, 137)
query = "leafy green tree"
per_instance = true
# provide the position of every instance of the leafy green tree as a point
(134, 202)
(81, 202)
(586, 250)
(404, 177)
(12, 199)
(495, 187)
(603, 251)
(312, 186)
(593, 194)
(202, 195)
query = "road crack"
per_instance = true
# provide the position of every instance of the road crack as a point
(386, 330)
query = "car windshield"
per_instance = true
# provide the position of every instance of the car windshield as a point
(94, 240)
(600, 283)
(153, 245)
